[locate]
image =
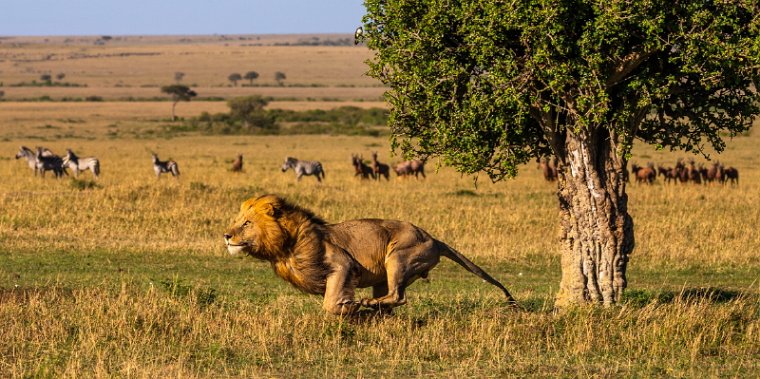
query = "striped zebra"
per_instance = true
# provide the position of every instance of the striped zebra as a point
(161, 167)
(47, 161)
(77, 164)
(302, 168)
(31, 156)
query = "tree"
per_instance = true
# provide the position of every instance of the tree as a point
(178, 76)
(279, 77)
(250, 110)
(234, 78)
(47, 78)
(178, 92)
(489, 85)
(251, 76)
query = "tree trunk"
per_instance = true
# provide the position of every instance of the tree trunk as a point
(596, 232)
(174, 115)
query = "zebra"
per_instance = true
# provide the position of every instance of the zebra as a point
(304, 168)
(31, 156)
(77, 164)
(44, 161)
(161, 167)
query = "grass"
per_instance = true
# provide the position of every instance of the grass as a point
(131, 278)
(127, 276)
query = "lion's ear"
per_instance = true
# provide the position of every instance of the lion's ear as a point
(248, 205)
(273, 210)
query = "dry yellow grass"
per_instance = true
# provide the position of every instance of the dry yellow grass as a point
(131, 279)
(137, 67)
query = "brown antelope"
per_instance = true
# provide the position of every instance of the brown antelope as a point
(732, 175)
(379, 169)
(693, 173)
(644, 174)
(413, 167)
(237, 165)
(667, 173)
(360, 168)
(550, 173)
(716, 173)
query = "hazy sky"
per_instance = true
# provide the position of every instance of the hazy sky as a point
(124, 17)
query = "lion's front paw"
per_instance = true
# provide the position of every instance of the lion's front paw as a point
(347, 307)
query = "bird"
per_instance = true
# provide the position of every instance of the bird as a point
(358, 34)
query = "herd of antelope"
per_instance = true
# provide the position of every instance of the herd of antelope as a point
(680, 173)
(380, 170)
(686, 173)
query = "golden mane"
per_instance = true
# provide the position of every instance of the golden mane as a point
(290, 237)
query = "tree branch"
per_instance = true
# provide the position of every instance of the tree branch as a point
(626, 66)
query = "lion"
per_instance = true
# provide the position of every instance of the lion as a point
(334, 259)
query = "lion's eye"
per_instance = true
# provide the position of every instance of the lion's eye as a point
(245, 224)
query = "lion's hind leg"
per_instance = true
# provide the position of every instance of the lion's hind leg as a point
(390, 295)
(401, 273)
(379, 291)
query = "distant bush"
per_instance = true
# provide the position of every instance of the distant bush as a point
(348, 115)
(247, 116)
(35, 83)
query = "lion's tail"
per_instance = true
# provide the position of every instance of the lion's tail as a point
(449, 252)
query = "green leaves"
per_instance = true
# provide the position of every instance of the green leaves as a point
(487, 85)
(179, 92)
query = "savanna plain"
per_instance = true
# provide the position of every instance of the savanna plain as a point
(127, 275)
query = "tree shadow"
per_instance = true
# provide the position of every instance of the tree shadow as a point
(714, 295)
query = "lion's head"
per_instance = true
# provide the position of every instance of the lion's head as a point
(256, 230)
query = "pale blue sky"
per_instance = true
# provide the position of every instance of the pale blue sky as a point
(127, 17)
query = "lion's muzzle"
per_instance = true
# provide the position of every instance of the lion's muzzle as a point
(233, 248)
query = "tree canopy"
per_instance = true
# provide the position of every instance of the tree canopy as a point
(234, 78)
(279, 77)
(251, 76)
(489, 84)
(178, 92)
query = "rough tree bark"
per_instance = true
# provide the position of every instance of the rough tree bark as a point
(596, 231)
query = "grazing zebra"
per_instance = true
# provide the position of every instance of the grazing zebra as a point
(161, 167)
(31, 156)
(304, 168)
(77, 164)
(237, 165)
(46, 162)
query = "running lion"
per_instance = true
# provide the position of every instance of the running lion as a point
(334, 259)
